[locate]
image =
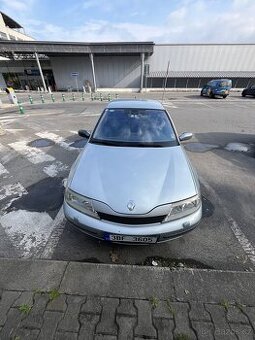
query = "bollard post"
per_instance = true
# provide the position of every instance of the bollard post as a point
(30, 99)
(82, 97)
(116, 95)
(100, 96)
(52, 97)
(21, 109)
(109, 97)
(63, 97)
(42, 98)
(73, 96)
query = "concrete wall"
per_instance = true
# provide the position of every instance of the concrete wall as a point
(62, 68)
(203, 58)
(111, 71)
(118, 72)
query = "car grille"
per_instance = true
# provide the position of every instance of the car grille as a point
(131, 220)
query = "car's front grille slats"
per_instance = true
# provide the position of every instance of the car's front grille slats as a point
(131, 220)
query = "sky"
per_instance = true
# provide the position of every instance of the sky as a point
(160, 21)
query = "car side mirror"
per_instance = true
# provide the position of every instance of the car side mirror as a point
(84, 133)
(185, 136)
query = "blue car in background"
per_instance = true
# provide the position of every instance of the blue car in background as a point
(217, 87)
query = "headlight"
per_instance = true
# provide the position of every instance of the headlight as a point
(183, 208)
(80, 203)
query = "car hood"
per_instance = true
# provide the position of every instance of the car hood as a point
(148, 176)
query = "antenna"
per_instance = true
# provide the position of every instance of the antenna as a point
(165, 83)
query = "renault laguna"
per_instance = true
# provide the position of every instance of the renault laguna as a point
(133, 182)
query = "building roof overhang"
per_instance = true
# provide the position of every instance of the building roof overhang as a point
(53, 48)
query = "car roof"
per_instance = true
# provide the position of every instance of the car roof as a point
(135, 104)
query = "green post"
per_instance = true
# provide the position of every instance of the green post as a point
(63, 97)
(116, 95)
(42, 98)
(21, 109)
(30, 99)
(82, 97)
(101, 97)
(109, 97)
(52, 97)
(73, 96)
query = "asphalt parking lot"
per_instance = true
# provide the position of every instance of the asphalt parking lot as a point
(39, 147)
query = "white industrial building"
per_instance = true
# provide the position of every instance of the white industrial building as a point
(127, 65)
(11, 30)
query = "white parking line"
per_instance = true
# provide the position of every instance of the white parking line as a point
(92, 115)
(14, 131)
(53, 169)
(236, 229)
(34, 155)
(57, 228)
(28, 231)
(170, 106)
(6, 154)
(37, 156)
(12, 192)
(199, 103)
(15, 189)
(3, 170)
(57, 139)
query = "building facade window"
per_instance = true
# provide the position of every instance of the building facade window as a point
(3, 36)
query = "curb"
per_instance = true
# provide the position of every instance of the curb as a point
(127, 281)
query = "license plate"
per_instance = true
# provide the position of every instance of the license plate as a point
(128, 238)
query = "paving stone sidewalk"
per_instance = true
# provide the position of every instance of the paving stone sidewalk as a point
(40, 315)
(60, 308)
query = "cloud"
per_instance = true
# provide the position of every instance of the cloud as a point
(103, 5)
(190, 21)
(16, 5)
(96, 31)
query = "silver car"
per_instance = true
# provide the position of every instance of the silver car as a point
(133, 182)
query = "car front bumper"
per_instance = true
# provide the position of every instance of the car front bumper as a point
(163, 231)
(221, 93)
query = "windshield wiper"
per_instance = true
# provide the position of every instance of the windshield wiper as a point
(104, 142)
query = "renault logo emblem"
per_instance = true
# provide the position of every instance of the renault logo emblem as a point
(131, 205)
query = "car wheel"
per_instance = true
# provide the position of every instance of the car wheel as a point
(211, 95)
(243, 94)
(225, 96)
(201, 93)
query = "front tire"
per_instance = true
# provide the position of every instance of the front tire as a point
(243, 94)
(201, 93)
(225, 96)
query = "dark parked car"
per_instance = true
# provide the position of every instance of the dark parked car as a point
(217, 87)
(249, 91)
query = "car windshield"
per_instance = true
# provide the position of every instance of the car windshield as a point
(134, 127)
(224, 84)
(221, 83)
